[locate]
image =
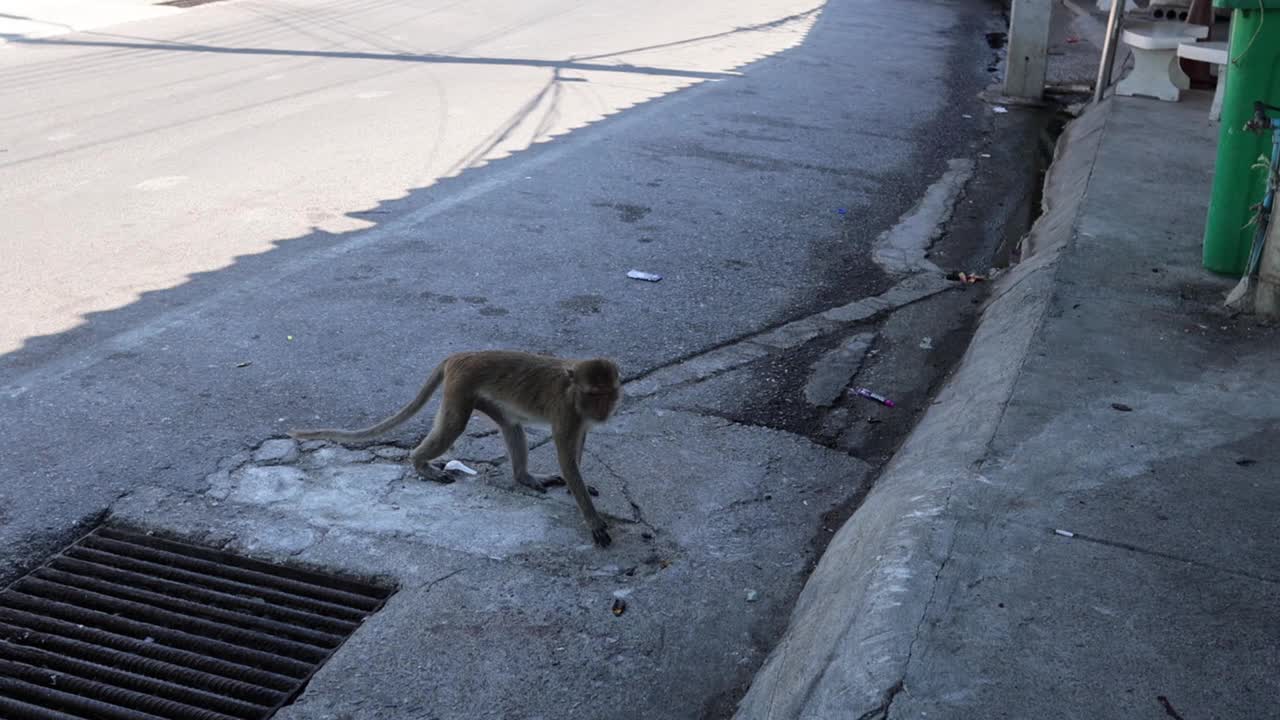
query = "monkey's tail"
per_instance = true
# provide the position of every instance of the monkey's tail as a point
(408, 411)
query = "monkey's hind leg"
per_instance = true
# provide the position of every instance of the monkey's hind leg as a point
(517, 449)
(451, 421)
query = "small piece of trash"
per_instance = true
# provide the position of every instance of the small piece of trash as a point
(752, 596)
(641, 275)
(1072, 39)
(966, 278)
(1000, 109)
(619, 606)
(984, 155)
(967, 116)
(841, 211)
(246, 363)
(864, 392)
(1121, 407)
(455, 465)
(926, 343)
(1064, 533)
(288, 337)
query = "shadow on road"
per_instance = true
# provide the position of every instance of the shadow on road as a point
(126, 328)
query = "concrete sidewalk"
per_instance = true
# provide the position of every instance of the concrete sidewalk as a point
(1104, 396)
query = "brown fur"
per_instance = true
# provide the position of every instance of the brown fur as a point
(512, 388)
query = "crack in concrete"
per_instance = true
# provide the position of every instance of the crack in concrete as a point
(1168, 707)
(769, 471)
(881, 711)
(1120, 545)
(933, 594)
(741, 502)
(431, 585)
(322, 530)
(637, 513)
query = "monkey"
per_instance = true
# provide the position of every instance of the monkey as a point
(512, 389)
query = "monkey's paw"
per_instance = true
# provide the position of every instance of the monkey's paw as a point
(601, 537)
(433, 473)
(540, 482)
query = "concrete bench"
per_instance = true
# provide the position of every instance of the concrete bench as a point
(1156, 72)
(1214, 53)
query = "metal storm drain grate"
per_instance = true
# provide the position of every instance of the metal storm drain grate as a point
(125, 626)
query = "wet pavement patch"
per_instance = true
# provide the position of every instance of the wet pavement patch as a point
(124, 625)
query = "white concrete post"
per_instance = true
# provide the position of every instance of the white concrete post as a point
(1028, 48)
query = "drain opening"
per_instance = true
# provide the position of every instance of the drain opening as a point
(127, 626)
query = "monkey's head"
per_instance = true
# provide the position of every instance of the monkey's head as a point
(597, 388)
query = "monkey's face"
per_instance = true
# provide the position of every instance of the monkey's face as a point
(599, 389)
(597, 404)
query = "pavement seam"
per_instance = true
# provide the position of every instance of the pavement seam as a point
(785, 336)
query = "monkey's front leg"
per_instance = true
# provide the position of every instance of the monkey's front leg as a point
(568, 450)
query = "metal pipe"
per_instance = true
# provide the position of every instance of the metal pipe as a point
(1108, 50)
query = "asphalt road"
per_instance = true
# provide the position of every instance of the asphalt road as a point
(251, 215)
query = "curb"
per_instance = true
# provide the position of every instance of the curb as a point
(851, 635)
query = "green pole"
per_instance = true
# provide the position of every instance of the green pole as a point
(1253, 74)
